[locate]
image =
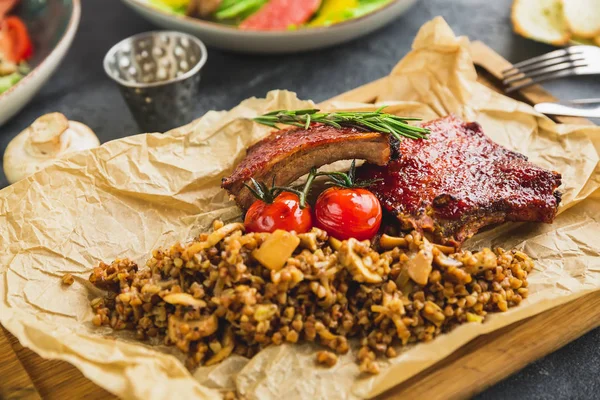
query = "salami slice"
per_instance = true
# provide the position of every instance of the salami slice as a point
(281, 14)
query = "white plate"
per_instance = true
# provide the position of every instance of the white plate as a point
(61, 17)
(232, 38)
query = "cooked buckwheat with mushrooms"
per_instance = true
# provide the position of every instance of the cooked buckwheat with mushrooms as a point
(229, 292)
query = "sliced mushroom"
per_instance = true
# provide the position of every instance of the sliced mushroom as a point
(49, 138)
(404, 282)
(226, 349)
(401, 329)
(420, 264)
(355, 264)
(330, 298)
(389, 242)
(308, 240)
(184, 299)
(447, 262)
(212, 240)
(222, 233)
(393, 308)
(444, 249)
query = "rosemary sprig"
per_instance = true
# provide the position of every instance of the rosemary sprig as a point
(376, 121)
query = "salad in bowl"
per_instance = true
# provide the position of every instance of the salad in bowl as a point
(15, 46)
(272, 15)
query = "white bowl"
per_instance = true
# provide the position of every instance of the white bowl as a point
(232, 38)
(42, 15)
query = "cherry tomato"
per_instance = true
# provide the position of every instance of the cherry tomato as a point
(15, 31)
(283, 213)
(348, 213)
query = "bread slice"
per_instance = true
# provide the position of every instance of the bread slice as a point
(541, 20)
(597, 40)
(583, 17)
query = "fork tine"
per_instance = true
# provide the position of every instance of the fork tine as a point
(559, 74)
(546, 63)
(542, 71)
(544, 57)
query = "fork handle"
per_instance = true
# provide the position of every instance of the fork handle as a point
(560, 109)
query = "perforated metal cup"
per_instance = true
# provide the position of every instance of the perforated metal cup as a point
(159, 75)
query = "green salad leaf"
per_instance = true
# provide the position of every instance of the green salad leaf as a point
(161, 5)
(332, 12)
(238, 9)
(8, 81)
(366, 7)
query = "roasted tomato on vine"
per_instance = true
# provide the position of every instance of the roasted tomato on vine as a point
(277, 208)
(347, 210)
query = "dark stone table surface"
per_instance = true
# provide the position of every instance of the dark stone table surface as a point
(81, 90)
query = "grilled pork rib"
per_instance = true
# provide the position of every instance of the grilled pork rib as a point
(458, 181)
(289, 154)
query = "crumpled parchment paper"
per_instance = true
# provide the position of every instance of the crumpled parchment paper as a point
(129, 196)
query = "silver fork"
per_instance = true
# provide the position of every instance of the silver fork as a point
(574, 60)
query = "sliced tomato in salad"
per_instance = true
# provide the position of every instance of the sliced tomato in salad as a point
(6, 47)
(15, 43)
(281, 15)
(6, 6)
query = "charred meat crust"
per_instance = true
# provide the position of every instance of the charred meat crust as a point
(289, 154)
(458, 181)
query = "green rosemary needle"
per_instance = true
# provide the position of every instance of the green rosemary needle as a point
(374, 121)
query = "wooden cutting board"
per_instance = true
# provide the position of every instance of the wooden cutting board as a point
(474, 367)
